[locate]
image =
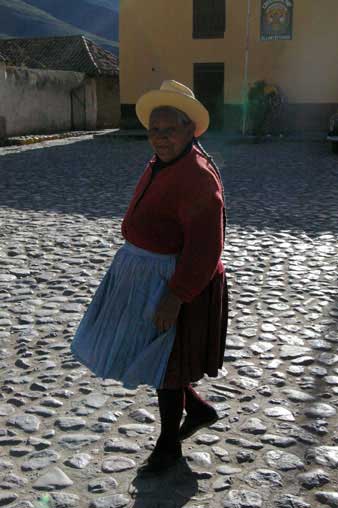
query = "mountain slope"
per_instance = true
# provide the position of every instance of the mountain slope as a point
(89, 15)
(19, 18)
(110, 4)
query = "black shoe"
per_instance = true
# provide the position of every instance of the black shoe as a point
(192, 424)
(161, 460)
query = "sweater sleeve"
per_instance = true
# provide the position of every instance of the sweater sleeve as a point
(201, 218)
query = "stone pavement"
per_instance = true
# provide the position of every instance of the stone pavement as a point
(68, 439)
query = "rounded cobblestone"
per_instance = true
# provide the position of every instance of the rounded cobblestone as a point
(61, 428)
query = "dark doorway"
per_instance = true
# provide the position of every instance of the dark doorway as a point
(209, 89)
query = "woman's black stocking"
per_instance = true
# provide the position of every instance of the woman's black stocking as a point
(171, 403)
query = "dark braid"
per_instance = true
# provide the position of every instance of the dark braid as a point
(225, 295)
(214, 166)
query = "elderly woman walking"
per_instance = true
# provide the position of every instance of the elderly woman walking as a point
(159, 316)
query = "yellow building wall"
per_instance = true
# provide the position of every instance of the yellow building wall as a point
(156, 43)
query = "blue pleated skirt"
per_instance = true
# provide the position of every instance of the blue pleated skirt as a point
(116, 338)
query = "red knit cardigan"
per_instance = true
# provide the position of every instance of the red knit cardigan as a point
(180, 212)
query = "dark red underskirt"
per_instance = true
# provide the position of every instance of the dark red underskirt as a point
(200, 337)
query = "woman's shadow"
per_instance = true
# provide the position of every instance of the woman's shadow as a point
(171, 489)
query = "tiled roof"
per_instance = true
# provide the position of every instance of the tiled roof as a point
(69, 53)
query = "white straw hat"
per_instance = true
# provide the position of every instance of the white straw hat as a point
(174, 94)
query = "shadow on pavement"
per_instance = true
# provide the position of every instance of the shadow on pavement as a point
(92, 178)
(172, 489)
(270, 186)
(282, 187)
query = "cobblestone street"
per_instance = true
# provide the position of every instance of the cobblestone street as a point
(76, 441)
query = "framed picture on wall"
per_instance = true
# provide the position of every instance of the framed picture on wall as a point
(276, 20)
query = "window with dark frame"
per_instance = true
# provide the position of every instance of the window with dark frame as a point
(208, 19)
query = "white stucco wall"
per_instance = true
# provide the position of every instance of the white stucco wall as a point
(37, 101)
(91, 104)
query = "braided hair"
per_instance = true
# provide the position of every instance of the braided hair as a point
(217, 171)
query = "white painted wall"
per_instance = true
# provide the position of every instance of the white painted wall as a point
(91, 104)
(38, 101)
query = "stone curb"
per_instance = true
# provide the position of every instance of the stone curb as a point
(225, 137)
(142, 134)
(39, 138)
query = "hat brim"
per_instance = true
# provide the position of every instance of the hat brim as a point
(190, 106)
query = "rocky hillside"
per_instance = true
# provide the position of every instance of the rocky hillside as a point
(97, 19)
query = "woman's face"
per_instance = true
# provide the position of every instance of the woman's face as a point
(167, 136)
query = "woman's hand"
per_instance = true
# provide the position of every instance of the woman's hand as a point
(167, 311)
